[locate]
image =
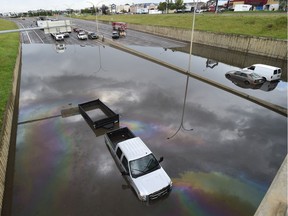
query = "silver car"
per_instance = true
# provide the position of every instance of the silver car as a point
(82, 36)
(245, 77)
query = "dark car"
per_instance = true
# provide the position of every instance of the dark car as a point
(77, 30)
(66, 34)
(115, 35)
(245, 77)
(92, 35)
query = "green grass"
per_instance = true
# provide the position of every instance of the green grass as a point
(259, 24)
(9, 44)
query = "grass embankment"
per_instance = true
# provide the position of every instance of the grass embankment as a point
(9, 44)
(259, 24)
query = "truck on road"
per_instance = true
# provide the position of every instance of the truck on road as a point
(120, 27)
(138, 164)
(58, 36)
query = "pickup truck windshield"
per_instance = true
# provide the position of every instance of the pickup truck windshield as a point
(143, 165)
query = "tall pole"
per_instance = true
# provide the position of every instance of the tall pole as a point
(96, 20)
(187, 80)
(96, 13)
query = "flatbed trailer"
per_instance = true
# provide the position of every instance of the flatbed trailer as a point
(108, 122)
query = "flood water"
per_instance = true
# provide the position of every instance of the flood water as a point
(222, 167)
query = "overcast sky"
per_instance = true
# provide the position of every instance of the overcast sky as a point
(25, 5)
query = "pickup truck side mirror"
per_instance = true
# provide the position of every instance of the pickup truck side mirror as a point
(124, 173)
(161, 159)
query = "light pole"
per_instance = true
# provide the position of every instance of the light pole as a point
(167, 2)
(70, 9)
(187, 79)
(96, 18)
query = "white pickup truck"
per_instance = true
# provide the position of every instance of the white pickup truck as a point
(58, 36)
(138, 164)
(82, 35)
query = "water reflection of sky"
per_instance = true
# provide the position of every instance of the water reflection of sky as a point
(223, 167)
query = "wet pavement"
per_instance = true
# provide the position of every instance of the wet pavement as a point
(222, 167)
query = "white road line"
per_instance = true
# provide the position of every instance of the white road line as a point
(26, 33)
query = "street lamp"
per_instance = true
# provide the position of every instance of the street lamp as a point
(96, 18)
(187, 79)
(70, 9)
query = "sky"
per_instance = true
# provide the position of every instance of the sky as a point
(24, 6)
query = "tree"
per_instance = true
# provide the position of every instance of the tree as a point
(283, 5)
(179, 5)
(104, 9)
(162, 6)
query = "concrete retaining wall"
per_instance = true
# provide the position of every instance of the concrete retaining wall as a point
(6, 152)
(253, 45)
(275, 202)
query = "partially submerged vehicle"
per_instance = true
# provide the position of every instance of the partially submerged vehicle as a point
(138, 164)
(245, 77)
(270, 73)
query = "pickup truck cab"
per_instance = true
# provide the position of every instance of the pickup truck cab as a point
(269, 73)
(58, 36)
(82, 36)
(138, 164)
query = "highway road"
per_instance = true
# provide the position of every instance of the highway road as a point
(105, 31)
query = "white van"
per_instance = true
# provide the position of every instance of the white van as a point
(270, 73)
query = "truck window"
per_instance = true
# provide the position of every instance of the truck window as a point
(275, 72)
(251, 67)
(119, 153)
(125, 163)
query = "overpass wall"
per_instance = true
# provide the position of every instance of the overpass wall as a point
(254, 45)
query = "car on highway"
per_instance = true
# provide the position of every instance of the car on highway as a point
(66, 34)
(245, 77)
(92, 35)
(115, 35)
(77, 30)
(82, 35)
(58, 36)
